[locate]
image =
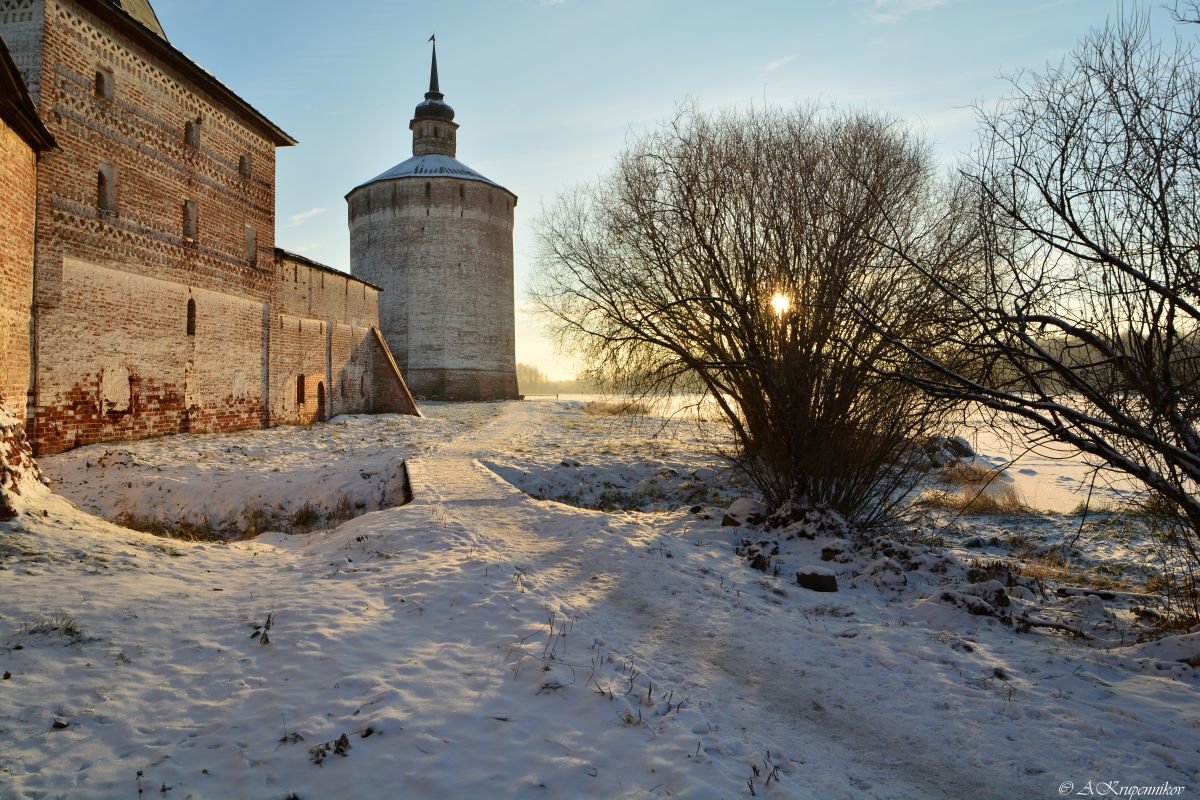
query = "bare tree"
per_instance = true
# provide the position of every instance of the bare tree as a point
(717, 257)
(1087, 328)
(1187, 11)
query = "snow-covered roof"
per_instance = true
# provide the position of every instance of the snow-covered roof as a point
(431, 166)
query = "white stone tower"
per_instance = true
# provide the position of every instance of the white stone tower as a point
(436, 236)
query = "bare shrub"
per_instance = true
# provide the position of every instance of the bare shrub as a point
(1085, 319)
(717, 258)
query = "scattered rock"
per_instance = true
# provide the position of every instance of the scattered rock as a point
(910, 558)
(744, 511)
(960, 447)
(885, 573)
(818, 579)
(59, 724)
(803, 522)
(570, 462)
(943, 450)
(759, 555)
(988, 599)
(836, 550)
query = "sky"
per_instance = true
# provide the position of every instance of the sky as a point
(548, 91)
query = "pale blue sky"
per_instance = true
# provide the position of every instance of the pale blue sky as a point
(547, 91)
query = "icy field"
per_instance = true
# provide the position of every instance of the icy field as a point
(488, 640)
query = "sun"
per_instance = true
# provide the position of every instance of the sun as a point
(780, 303)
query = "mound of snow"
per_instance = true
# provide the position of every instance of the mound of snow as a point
(19, 473)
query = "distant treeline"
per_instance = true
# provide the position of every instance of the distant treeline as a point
(531, 380)
(1099, 369)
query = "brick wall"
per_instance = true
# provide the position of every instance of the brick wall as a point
(352, 380)
(391, 394)
(125, 366)
(141, 131)
(131, 331)
(307, 289)
(21, 27)
(298, 370)
(147, 148)
(18, 183)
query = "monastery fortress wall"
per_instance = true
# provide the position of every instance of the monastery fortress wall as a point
(159, 301)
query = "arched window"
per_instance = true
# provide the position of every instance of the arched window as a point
(191, 132)
(428, 188)
(244, 165)
(191, 317)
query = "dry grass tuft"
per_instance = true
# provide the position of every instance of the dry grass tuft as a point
(962, 473)
(610, 408)
(974, 489)
(975, 499)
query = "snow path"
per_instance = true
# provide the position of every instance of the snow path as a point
(591, 572)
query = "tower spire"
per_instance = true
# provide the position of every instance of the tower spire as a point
(434, 92)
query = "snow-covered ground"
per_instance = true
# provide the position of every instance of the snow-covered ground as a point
(482, 642)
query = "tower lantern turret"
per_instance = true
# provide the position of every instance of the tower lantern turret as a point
(433, 127)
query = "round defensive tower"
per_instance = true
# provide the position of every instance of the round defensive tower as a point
(437, 237)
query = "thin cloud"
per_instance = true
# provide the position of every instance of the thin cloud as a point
(305, 216)
(548, 3)
(885, 12)
(304, 248)
(777, 63)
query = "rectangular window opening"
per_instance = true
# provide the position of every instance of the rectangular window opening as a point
(106, 188)
(190, 222)
(251, 245)
(104, 84)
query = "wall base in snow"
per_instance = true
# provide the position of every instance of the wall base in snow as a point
(462, 384)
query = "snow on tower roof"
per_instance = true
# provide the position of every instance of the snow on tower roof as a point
(431, 166)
